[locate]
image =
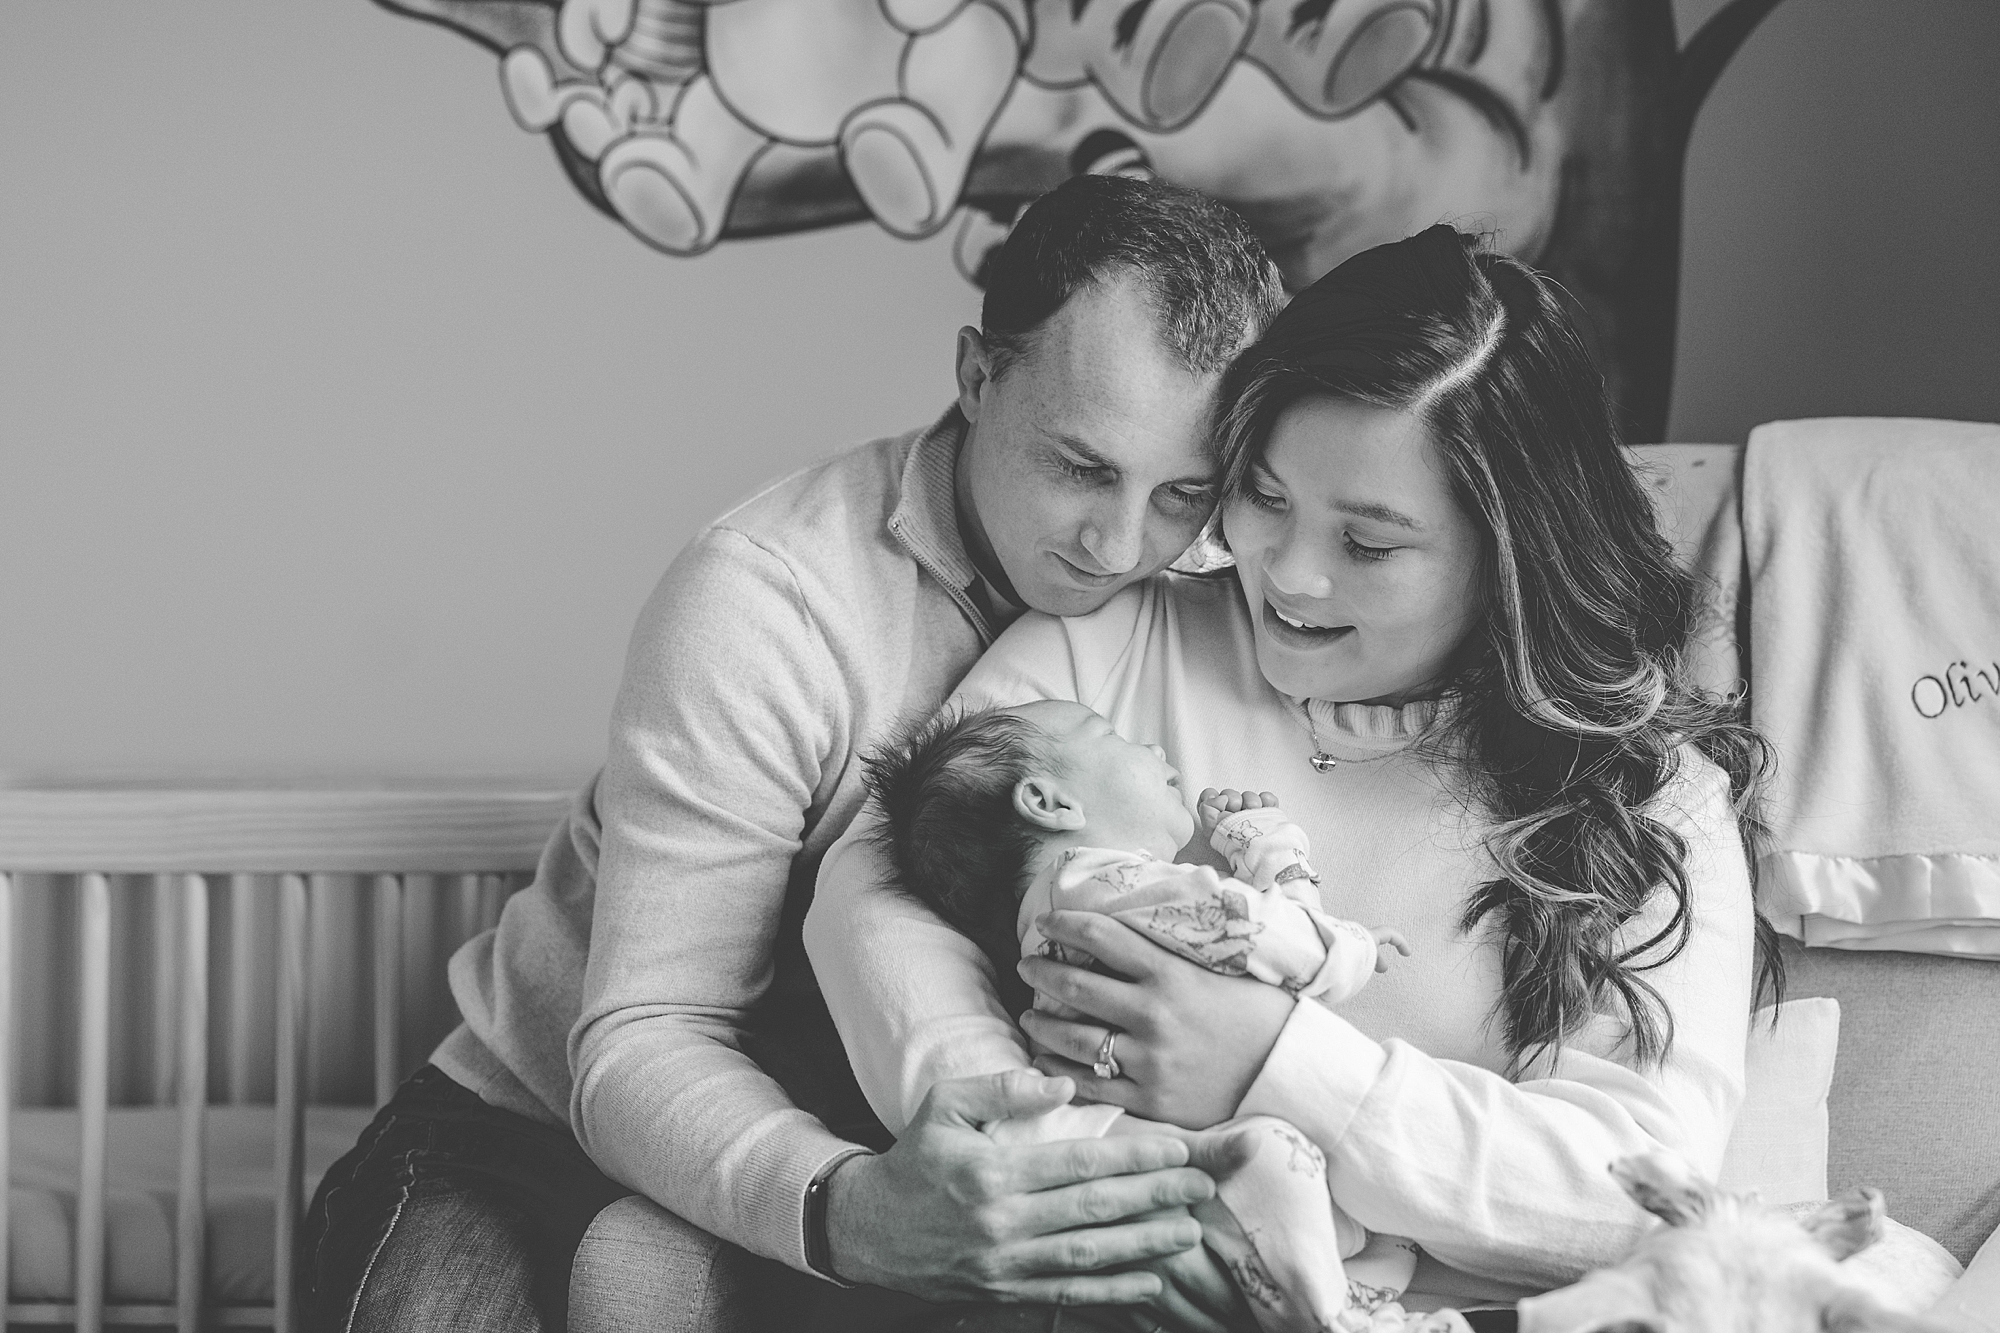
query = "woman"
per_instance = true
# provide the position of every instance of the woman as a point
(1453, 645)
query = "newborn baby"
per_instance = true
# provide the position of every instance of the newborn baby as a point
(997, 816)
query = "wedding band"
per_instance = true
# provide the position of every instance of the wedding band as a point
(1107, 1058)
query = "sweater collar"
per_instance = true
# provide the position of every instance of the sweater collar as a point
(1356, 733)
(925, 521)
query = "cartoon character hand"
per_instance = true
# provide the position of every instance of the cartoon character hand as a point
(588, 29)
(1385, 940)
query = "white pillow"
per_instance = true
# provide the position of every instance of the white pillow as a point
(1778, 1147)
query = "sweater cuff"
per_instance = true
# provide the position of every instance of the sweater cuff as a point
(1317, 1075)
(775, 1184)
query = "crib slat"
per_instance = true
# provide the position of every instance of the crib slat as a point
(492, 900)
(93, 1097)
(191, 1219)
(7, 975)
(160, 893)
(388, 985)
(293, 928)
(465, 902)
(242, 982)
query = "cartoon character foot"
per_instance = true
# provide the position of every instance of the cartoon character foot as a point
(1160, 71)
(660, 192)
(1352, 54)
(1191, 48)
(903, 166)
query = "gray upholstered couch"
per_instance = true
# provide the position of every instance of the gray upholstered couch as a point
(1915, 1107)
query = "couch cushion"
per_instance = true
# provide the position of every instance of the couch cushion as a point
(143, 1169)
(1915, 1107)
(1778, 1147)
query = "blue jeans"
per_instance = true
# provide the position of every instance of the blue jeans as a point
(449, 1214)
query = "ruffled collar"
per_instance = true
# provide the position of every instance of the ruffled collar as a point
(1344, 733)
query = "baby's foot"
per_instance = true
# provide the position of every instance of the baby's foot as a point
(1272, 1225)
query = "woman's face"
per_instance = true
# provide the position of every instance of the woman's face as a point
(1360, 570)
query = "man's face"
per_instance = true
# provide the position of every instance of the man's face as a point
(1087, 465)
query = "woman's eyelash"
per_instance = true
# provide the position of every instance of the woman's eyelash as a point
(1261, 499)
(1080, 471)
(1355, 548)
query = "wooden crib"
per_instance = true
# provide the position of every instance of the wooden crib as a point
(201, 979)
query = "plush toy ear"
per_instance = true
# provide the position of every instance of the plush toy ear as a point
(1848, 1223)
(1665, 1186)
(1611, 1300)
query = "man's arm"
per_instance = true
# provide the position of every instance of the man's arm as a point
(728, 709)
(729, 720)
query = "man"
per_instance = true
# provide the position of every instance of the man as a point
(650, 989)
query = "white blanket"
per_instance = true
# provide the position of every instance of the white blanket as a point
(1873, 547)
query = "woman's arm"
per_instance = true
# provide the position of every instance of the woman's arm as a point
(1505, 1180)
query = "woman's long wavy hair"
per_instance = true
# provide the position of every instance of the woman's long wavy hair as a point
(1575, 700)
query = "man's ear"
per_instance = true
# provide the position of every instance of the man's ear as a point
(975, 370)
(1611, 1300)
(1849, 1223)
(1047, 804)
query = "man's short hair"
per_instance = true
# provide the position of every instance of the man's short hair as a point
(1212, 286)
(946, 788)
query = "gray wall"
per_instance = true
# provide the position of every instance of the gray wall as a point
(338, 437)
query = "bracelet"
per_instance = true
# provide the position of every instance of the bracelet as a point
(819, 1248)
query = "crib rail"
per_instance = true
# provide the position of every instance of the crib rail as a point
(480, 840)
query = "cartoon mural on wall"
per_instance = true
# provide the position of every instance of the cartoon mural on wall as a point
(1558, 126)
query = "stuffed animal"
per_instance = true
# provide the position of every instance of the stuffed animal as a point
(1726, 1263)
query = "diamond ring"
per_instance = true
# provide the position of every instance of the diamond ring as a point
(1107, 1058)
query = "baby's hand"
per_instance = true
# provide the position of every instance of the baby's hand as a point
(1214, 803)
(1385, 940)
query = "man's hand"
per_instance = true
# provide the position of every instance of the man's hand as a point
(1216, 802)
(950, 1215)
(1196, 1296)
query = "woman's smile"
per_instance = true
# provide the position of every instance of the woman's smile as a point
(1298, 632)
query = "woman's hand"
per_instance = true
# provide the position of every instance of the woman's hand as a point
(1190, 1041)
(949, 1215)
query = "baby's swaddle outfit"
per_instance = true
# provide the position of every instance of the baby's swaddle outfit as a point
(1302, 1262)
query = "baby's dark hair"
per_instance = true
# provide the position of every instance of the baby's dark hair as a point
(946, 787)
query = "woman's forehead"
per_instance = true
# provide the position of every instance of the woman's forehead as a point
(1359, 457)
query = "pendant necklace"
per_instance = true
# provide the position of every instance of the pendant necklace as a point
(1324, 760)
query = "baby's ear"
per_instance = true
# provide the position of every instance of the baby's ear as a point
(1046, 804)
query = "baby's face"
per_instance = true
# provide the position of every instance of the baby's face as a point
(1130, 795)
